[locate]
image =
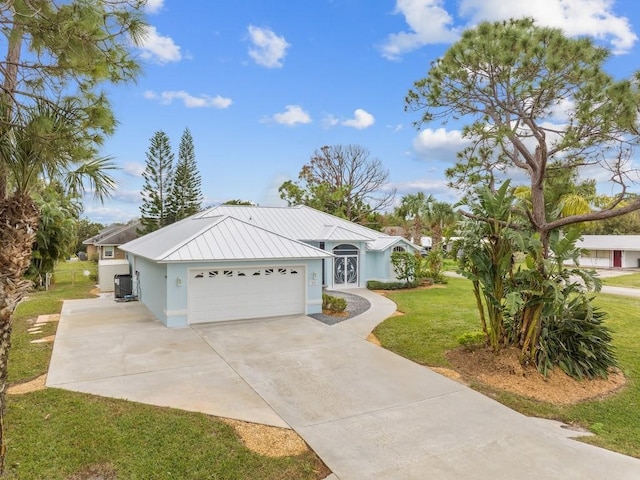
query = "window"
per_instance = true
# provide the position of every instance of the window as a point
(213, 273)
(199, 275)
(108, 252)
(398, 249)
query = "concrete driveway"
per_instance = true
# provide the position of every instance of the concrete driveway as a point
(368, 413)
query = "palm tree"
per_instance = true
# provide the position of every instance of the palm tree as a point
(43, 146)
(412, 209)
(438, 215)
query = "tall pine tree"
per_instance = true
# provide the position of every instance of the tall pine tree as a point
(186, 195)
(158, 180)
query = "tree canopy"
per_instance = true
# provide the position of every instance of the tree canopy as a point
(155, 211)
(535, 102)
(341, 180)
(185, 197)
(538, 105)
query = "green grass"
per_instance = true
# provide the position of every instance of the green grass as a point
(57, 434)
(630, 280)
(436, 318)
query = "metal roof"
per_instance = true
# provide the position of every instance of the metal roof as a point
(219, 238)
(609, 242)
(114, 235)
(299, 222)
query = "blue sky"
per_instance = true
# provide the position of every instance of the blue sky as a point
(261, 84)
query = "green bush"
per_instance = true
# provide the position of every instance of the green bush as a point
(333, 304)
(375, 285)
(473, 340)
(577, 341)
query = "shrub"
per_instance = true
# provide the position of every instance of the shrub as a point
(473, 340)
(376, 285)
(333, 304)
(577, 341)
(404, 265)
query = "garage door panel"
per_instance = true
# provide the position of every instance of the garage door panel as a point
(241, 292)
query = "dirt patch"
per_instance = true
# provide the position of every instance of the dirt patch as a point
(504, 372)
(47, 339)
(27, 387)
(268, 441)
(95, 472)
(373, 339)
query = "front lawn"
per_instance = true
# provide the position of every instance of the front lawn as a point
(435, 318)
(629, 280)
(56, 434)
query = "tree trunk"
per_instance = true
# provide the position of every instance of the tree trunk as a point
(18, 226)
(9, 85)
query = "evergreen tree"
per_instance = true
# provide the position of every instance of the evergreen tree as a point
(158, 181)
(186, 195)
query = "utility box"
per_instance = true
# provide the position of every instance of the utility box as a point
(123, 285)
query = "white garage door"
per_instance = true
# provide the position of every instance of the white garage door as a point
(234, 293)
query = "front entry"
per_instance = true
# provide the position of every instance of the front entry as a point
(345, 266)
(617, 258)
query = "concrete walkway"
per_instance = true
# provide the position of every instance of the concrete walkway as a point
(367, 412)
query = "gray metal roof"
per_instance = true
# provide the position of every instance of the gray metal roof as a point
(300, 222)
(609, 242)
(219, 238)
(115, 235)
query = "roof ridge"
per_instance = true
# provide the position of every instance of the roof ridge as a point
(211, 222)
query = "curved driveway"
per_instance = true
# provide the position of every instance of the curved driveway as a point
(368, 413)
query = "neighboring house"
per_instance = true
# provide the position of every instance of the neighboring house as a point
(107, 242)
(111, 260)
(610, 251)
(237, 262)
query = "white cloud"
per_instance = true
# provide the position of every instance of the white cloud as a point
(439, 144)
(268, 48)
(134, 169)
(153, 6)
(128, 196)
(575, 17)
(429, 22)
(158, 48)
(361, 120)
(329, 120)
(293, 115)
(189, 101)
(109, 214)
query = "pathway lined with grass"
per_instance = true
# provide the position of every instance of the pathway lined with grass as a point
(435, 319)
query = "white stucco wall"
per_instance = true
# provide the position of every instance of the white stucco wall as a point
(629, 259)
(107, 269)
